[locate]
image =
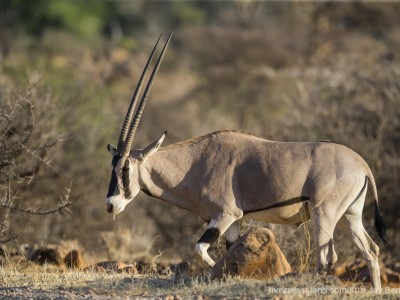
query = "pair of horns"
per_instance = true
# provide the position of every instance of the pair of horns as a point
(131, 124)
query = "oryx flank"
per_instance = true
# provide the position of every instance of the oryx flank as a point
(228, 175)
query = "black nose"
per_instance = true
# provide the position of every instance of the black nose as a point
(109, 207)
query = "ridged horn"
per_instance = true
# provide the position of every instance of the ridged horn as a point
(135, 123)
(132, 105)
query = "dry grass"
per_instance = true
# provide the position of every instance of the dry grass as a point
(46, 282)
(303, 250)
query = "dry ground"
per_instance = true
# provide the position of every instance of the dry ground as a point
(43, 282)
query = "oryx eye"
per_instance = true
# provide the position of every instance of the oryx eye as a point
(126, 166)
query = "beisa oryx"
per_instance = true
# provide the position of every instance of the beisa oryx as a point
(228, 175)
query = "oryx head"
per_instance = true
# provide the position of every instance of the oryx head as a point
(125, 181)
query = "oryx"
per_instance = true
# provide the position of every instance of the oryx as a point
(227, 175)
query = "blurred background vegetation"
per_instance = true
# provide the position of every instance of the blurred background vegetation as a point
(286, 71)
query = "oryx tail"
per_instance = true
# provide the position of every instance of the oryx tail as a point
(379, 223)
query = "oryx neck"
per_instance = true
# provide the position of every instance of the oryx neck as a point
(144, 175)
(157, 174)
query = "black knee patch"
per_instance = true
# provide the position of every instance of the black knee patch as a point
(228, 244)
(210, 236)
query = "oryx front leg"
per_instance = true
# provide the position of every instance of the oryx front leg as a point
(232, 234)
(215, 229)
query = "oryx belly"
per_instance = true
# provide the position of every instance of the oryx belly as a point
(291, 214)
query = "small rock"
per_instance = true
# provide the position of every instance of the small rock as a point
(390, 276)
(150, 267)
(180, 268)
(396, 267)
(112, 266)
(45, 255)
(74, 260)
(131, 269)
(340, 270)
(358, 271)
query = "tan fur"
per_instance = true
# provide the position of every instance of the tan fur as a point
(197, 139)
(225, 175)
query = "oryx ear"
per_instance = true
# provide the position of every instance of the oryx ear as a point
(112, 149)
(152, 148)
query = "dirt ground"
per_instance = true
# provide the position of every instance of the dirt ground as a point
(47, 283)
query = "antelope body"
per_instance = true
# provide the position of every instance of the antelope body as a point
(228, 175)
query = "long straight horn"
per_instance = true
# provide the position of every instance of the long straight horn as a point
(136, 120)
(132, 105)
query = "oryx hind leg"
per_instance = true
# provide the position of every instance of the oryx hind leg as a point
(332, 256)
(215, 229)
(329, 212)
(352, 222)
(324, 226)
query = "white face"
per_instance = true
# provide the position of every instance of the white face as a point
(124, 184)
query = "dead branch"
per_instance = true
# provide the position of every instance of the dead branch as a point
(36, 212)
(63, 206)
(2, 242)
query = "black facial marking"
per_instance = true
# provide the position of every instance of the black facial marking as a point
(281, 204)
(113, 189)
(210, 236)
(146, 191)
(125, 179)
(115, 160)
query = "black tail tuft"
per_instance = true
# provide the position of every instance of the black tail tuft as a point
(380, 226)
